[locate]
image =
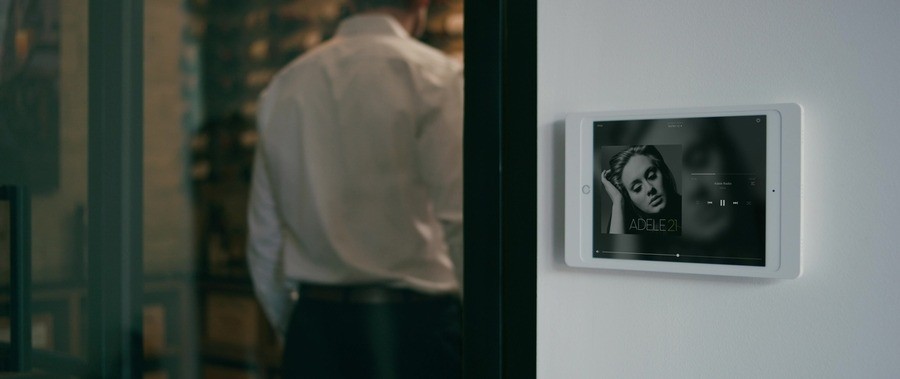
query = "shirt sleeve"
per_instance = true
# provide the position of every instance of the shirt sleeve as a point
(263, 247)
(441, 164)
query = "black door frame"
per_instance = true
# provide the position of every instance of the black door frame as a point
(500, 193)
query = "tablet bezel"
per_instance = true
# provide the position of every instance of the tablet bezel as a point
(782, 192)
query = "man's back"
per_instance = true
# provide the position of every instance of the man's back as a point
(356, 202)
(361, 142)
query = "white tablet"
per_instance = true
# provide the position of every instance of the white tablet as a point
(700, 190)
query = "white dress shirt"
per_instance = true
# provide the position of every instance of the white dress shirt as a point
(357, 177)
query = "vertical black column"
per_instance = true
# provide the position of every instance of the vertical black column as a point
(20, 276)
(519, 190)
(115, 188)
(500, 188)
(482, 189)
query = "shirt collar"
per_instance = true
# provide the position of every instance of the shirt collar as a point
(371, 24)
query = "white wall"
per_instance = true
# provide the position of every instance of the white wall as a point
(841, 61)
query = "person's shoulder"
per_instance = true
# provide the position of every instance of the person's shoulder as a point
(309, 59)
(284, 82)
(430, 66)
(301, 68)
(429, 56)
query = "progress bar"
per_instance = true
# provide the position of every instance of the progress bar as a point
(676, 255)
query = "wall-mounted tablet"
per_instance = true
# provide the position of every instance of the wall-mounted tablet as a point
(700, 190)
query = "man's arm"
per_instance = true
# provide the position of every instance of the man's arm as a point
(263, 248)
(440, 157)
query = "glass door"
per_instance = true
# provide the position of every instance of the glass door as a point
(125, 127)
(70, 207)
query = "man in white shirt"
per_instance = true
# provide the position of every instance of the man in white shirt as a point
(356, 202)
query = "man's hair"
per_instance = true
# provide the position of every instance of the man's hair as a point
(371, 4)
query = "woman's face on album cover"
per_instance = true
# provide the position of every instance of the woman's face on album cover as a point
(644, 183)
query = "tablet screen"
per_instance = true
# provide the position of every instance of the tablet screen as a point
(681, 190)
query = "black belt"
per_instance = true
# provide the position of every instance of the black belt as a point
(363, 294)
